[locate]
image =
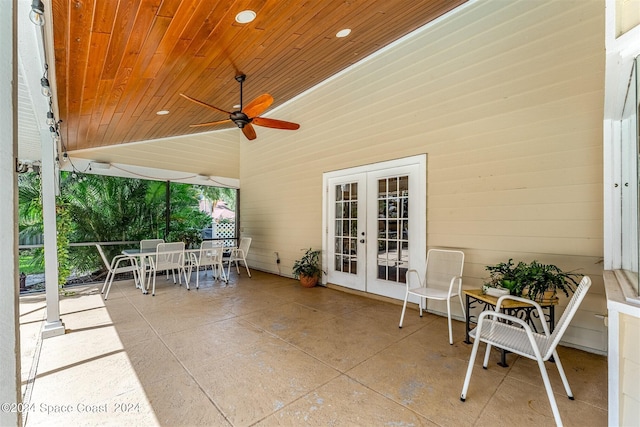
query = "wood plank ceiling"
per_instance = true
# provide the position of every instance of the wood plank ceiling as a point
(119, 62)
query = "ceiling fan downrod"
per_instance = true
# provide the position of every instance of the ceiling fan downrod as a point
(240, 78)
(238, 117)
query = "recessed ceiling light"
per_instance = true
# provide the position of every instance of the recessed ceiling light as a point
(162, 112)
(245, 16)
(343, 33)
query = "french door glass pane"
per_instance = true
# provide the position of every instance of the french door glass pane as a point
(346, 228)
(354, 228)
(393, 228)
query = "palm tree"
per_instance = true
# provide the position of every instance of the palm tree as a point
(186, 219)
(30, 223)
(105, 209)
(30, 205)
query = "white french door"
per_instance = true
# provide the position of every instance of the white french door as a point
(347, 230)
(375, 223)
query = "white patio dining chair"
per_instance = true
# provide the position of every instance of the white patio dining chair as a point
(240, 254)
(510, 333)
(443, 273)
(210, 255)
(150, 244)
(114, 267)
(168, 256)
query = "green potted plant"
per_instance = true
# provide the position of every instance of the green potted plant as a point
(307, 269)
(503, 276)
(535, 280)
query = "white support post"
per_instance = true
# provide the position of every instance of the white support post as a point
(53, 326)
(9, 288)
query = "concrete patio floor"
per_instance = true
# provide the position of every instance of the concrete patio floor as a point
(264, 351)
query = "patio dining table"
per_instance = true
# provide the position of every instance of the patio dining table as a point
(142, 256)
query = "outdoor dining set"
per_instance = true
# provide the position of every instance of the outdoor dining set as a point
(156, 255)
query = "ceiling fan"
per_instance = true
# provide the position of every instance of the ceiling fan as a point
(250, 114)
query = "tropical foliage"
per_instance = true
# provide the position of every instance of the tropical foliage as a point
(30, 206)
(531, 280)
(106, 209)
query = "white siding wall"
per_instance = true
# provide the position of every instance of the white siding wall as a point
(505, 97)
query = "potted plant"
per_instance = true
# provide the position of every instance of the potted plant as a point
(503, 276)
(535, 280)
(307, 268)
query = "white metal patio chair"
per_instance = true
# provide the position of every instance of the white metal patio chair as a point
(150, 244)
(168, 256)
(443, 273)
(240, 254)
(210, 255)
(515, 335)
(114, 268)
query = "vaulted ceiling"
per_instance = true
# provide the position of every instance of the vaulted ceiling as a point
(117, 63)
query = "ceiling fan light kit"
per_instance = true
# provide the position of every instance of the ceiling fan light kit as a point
(247, 116)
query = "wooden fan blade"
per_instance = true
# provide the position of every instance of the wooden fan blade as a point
(219, 122)
(249, 132)
(204, 104)
(273, 123)
(258, 105)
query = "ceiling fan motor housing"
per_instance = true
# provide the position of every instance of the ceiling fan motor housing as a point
(240, 119)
